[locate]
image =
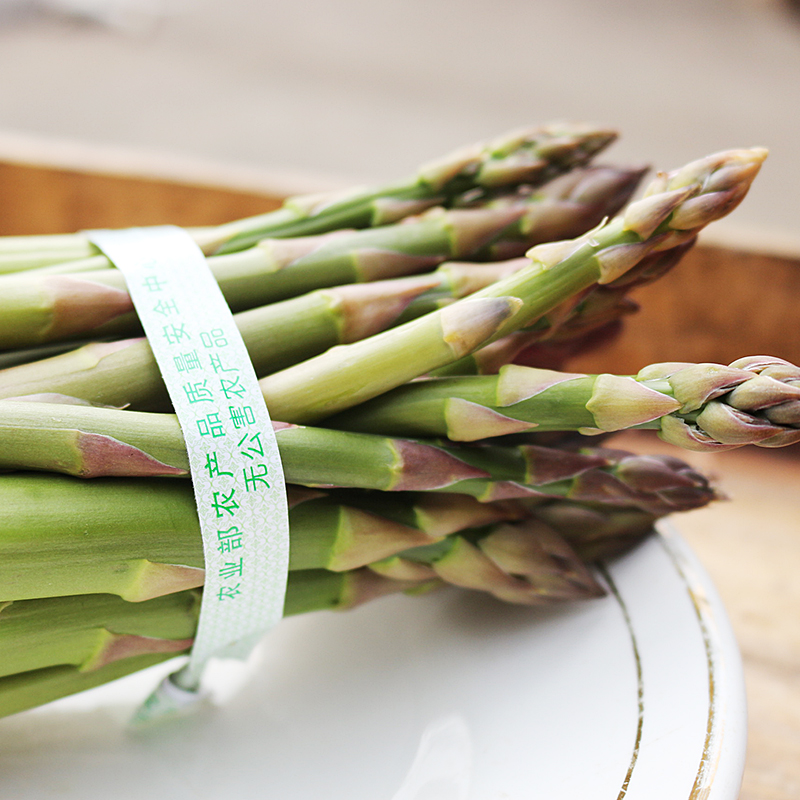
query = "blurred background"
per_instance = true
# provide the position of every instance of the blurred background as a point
(348, 90)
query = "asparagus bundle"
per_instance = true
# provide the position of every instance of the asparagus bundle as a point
(529, 156)
(139, 528)
(38, 307)
(102, 563)
(61, 645)
(675, 208)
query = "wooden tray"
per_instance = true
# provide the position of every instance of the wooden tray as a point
(736, 294)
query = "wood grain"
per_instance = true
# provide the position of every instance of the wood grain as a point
(44, 199)
(718, 304)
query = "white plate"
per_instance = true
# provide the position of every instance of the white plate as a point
(445, 697)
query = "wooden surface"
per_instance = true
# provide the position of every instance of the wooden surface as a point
(48, 199)
(720, 304)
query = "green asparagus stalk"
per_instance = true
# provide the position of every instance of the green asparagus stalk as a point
(71, 630)
(525, 562)
(650, 483)
(532, 156)
(754, 400)
(574, 324)
(565, 329)
(30, 252)
(27, 690)
(675, 208)
(98, 638)
(38, 307)
(59, 252)
(125, 373)
(343, 530)
(92, 442)
(141, 539)
(13, 358)
(563, 208)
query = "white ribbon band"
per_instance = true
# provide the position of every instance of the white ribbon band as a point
(234, 462)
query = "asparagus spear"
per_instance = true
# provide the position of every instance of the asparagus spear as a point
(90, 441)
(532, 156)
(141, 539)
(578, 321)
(309, 590)
(525, 562)
(528, 564)
(74, 630)
(35, 688)
(30, 252)
(586, 320)
(570, 327)
(94, 442)
(754, 400)
(40, 307)
(675, 208)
